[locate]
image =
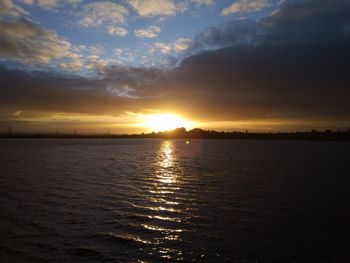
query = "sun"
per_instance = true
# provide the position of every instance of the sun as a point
(165, 122)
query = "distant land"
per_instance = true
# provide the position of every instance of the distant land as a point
(197, 133)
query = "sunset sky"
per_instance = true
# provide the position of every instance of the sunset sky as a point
(125, 66)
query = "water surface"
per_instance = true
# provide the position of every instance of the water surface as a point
(153, 200)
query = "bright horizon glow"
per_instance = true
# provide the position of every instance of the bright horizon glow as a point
(165, 122)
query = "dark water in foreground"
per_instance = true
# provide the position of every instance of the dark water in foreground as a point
(149, 200)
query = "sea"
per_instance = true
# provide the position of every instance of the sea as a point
(177, 200)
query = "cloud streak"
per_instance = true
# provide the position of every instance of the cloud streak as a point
(101, 13)
(50, 4)
(153, 7)
(149, 32)
(117, 31)
(246, 6)
(179, 45)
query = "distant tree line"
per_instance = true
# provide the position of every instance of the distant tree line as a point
(203, 134)
(212, 134)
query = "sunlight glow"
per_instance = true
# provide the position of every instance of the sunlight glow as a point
(164, 122)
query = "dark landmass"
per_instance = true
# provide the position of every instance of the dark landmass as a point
(202, 134)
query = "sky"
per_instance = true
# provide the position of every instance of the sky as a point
(117, 66)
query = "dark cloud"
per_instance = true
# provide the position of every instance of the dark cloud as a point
(295, 21)
(291, 65)
(286, 81)
(49, 92)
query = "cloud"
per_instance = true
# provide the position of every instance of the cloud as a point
(23, 41)
(117, 31)
(165, 7)
(180, 45)
(153, 7)
(88, 59)
(17, 113)
(123, 56)
(27, 2)
(8, 8)
(245, 6)
(75, 65)
(164, 48)
(296, 22)
(266, 82)
(103, 13)
(149, 32)
(192, 5)
(203, 2)
(74, 1)
(242, 31)
(43, 92)
(49, 4)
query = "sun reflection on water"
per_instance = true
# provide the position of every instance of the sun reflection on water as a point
(166, 165)
(166, 186)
